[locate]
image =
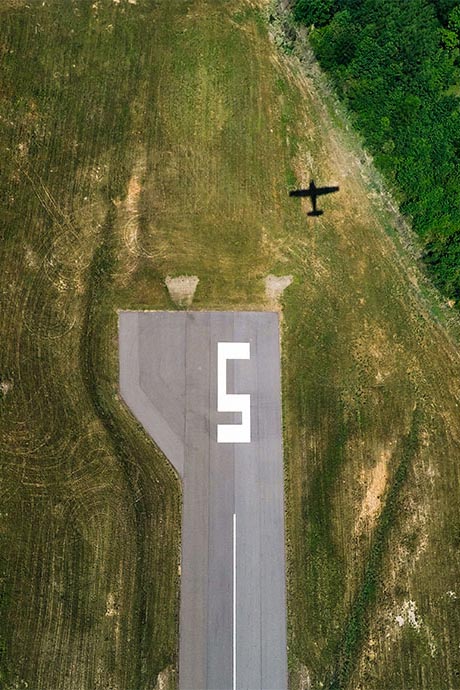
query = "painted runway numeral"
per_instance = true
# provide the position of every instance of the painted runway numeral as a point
(232, 402)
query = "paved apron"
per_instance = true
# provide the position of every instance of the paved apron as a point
(168, 378)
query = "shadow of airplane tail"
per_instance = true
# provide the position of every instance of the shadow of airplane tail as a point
(315, 213)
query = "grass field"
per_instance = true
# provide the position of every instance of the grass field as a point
(145, 139)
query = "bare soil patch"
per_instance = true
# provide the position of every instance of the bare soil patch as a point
(275, 286)
(376, 485)
(182, 289)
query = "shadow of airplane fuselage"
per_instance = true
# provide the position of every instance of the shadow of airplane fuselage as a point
(313, 192)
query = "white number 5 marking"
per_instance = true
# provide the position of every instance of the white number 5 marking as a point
(228, 402)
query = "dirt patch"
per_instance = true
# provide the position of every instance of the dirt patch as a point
(112, 607)
(182, 289)
(408, 614)
(299, 678)
(133, 193)
(166, 679)
(5, 387)
(31, 258)
(275, 286)
(376, 485)
(130, 229)
(304, 678)
(128, 223)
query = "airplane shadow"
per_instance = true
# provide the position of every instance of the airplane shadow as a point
(313, 192)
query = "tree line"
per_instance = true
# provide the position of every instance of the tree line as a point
(396, 63)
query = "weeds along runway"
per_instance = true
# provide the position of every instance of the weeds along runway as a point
(178, 371)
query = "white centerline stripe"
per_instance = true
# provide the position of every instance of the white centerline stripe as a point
(234, 601)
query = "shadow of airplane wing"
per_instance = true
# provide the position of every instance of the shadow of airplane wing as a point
(326, 190)
(300, 192)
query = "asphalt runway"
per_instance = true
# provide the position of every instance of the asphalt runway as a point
(232, 607)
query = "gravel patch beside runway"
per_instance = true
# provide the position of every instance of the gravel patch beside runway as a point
(168, 377)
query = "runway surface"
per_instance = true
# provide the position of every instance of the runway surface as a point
(232, 607)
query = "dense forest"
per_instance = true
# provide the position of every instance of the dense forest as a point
(396, 63)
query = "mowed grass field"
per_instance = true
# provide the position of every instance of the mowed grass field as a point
(145, 139)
